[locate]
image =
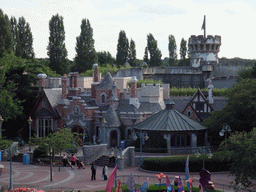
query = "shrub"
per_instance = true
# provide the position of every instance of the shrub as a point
(218, 162)
(40, 152)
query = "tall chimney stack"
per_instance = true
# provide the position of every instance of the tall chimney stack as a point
(41, 81)
(95, 81)
(133, 87)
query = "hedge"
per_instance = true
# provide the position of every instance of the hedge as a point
(217, 163)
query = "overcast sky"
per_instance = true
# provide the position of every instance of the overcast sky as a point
(235, 21)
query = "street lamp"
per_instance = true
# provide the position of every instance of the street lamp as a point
(224, 130)
(10, 155)
(29, 122)
(204, 150)
(51, 164)
(143, 137)
(1, 121)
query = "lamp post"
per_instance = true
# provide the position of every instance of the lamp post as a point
(224, 130)
(50, 164)
(10, 154)
(1, 121)
(143, 137)
(204, 150)
(29, 122)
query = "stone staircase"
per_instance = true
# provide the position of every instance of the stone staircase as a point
(104, 160)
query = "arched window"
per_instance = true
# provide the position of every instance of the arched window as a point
(103, 98)
(189, 113)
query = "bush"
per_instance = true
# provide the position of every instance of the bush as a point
(40, 152)
(174, 91)
(218, 162)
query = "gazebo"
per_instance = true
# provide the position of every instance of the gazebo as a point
(182, 134)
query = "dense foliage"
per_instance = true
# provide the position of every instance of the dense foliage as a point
(239, 113)
(218, 162)
(154, 51)
(56, 48)
(122, 49)
(240, 148)
(172, 47)
(132, 54)
(190, 91)
(183, 51)
(86, 55)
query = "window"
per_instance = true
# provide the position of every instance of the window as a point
(189, 113)
(199, 106)
(103, 98)
(44, 126)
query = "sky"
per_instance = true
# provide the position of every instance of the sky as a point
(234, 21)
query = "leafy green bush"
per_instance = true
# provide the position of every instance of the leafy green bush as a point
(174, 91)
(218, 162)
(146, 81)
(40, 152)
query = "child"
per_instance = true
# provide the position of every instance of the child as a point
(105, 172)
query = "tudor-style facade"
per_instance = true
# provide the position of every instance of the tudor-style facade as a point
(100, 111)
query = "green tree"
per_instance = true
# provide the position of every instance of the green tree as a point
(24, 47)
(14, 30)
(145, 58)
(172, 50)
(105, 58)
(239, 113)
(61, 141)
(6, 38)
(132, 54)
(122, 49)
(183, 51)
(240, 148)
(155, 53)
(86, 55)
(56, 48)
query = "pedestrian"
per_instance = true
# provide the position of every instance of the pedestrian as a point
(105, 172)
(73, 160)
(112, 156)
(93, 168)
(65, 160)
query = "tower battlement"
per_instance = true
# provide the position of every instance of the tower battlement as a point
(204, 49)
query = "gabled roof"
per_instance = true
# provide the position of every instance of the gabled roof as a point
(53, 96)
(169, 120)
(106, 83)
(112, 118)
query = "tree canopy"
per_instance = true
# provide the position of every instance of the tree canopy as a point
(172, 47)
(86, 55)
(56, 48)
(240, 148)
(239, 113)
(183, 51)
(132, 54)
(6, 37)
(122, 49)
(155, 53)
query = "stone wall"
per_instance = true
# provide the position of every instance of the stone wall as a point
(129, 73)
(93, 152)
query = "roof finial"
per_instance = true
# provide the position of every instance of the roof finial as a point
(204, 26)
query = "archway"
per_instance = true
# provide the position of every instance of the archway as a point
(113, 139)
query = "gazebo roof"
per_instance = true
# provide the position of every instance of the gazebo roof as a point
(169, 120)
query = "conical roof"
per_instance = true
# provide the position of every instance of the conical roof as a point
(107, 82)
(169, 120)
(112, 118)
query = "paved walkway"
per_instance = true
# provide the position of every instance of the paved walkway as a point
(38, 176)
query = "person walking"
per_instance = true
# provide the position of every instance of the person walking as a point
(65, 160)
(105, 172)
(73, 161)
(93, 168)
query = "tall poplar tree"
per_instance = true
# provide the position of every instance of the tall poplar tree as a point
(122, 49)
(56, 48)
(24, 48)
(132, 54)
(183, 51)
(86, 55)
(155, 53)
(14, 30)
(6, 38)
(145, 58)
(172, 50)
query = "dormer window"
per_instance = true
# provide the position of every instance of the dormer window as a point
(103, 98)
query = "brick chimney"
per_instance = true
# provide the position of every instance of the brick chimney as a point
(133, 87)
(64, 87)
(95, 81)
(41, 82)
(73, 89)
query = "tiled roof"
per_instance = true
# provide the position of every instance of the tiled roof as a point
(124, 106)
(112, 118)
(169, 120)
(53, 95)
(106, 83)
